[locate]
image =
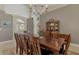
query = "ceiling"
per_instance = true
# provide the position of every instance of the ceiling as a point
(23, 9)
(51, 7)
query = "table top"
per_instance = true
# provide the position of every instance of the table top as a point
(54, 44)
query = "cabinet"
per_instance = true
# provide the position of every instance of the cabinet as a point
(52, 25)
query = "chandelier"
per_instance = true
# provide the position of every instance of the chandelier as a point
(38, 9)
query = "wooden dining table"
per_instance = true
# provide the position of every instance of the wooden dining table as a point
(53, 45)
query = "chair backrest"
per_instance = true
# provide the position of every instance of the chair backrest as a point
(16, 37)
(51, 35)
(18, 42)
(25, 44)
(66, 44)
(35, 46)
(55, 35)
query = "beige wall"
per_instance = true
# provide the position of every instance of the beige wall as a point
(69, 20)
(7, 30)
(12, 13)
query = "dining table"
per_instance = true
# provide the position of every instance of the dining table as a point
(54, 45)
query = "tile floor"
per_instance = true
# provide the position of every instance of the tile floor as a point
(10, 49)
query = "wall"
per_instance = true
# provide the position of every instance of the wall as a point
(1, 6)
(12, 12)
(18, 11)
(6, 32)
(69, 20)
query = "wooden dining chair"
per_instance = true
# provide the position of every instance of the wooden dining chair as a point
(22, 43)
(35, 46)
(27, 44)
(54, 35)
(66, 44)
(17, 42)
(25, 47)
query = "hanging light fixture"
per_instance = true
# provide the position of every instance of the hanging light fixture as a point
(39, 9)
(46, 7)
(43, 9)
(30, 10)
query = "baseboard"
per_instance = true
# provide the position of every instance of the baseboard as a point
(76, 45)
(74, 48)
(12, 41)
(7, 42)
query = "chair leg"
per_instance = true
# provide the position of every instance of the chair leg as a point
(16, 49)
(21, 51)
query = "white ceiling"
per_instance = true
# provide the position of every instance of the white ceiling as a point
(51, 7)
(22, 10)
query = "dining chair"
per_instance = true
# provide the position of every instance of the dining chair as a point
(17, 42)
(54, 35)
(66, 44)
(22, 43)
(25, 45)
(35, 46)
